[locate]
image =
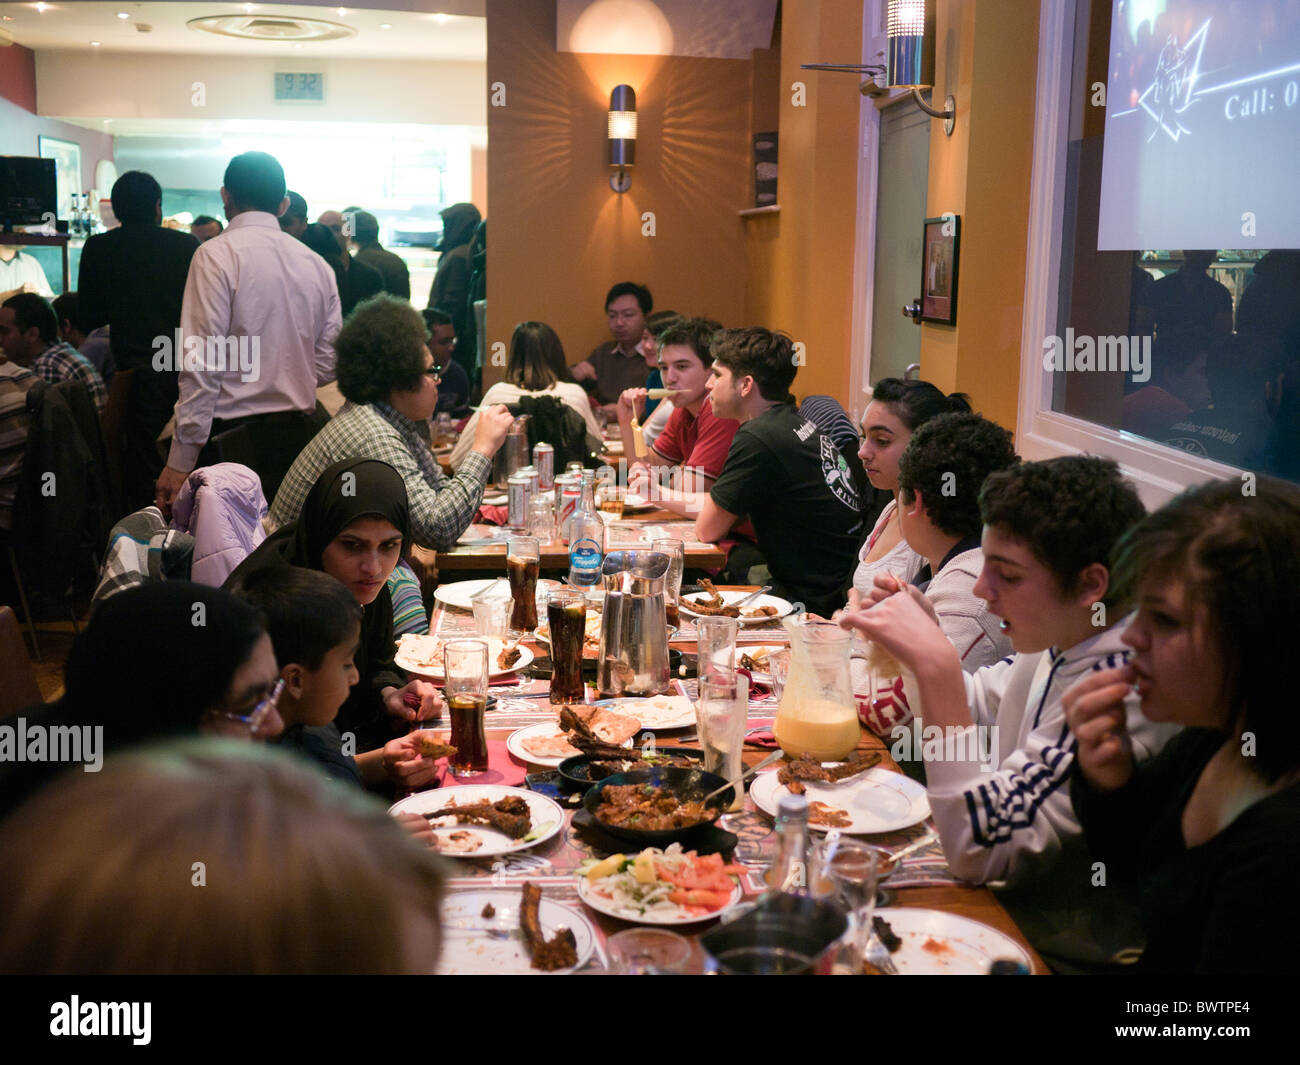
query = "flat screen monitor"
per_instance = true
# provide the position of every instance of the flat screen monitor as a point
(28, 190)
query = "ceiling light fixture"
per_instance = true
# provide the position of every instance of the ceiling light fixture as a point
(123, 15)
(910, 56)
(41, 8)
(94, 44)
(440, 17)
(385, 26)
(341, 11)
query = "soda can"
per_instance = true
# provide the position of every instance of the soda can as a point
(534, 478)
(544, 460)
(518, 495)
(569, 495)
(574, 467)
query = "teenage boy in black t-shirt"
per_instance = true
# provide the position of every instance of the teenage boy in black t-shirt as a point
(782, 471)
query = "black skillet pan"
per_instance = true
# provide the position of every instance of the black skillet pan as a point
(685, 784)
(576, 774)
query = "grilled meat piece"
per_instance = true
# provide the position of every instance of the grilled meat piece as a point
(794, 773)
(509, 816)
(561, 952)
(508, 657)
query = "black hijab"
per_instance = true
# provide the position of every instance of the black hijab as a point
(343, 493)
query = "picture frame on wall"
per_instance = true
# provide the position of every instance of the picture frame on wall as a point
(67, 168)
(941, 245)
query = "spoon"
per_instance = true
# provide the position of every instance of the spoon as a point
(747, 773)
(912, 848)
(752, 596)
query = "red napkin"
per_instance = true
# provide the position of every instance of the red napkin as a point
(761, 739)
(756, 690)
(493, 515)
(502, 769)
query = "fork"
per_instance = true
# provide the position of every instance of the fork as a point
(878, 955)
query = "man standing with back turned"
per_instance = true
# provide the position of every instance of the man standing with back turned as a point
(265, 309)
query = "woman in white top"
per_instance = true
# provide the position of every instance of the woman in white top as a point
(536, 367)
(897, 409)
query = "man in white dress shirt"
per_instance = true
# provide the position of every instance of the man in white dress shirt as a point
(20, 272)
(257, 331)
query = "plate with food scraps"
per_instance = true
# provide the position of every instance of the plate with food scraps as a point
(758, 656)
(422, 655)
(764, 608)
(657, 712)
(478, 945)
(544, 744)
(504, 819)
(878, 800)
(934, 943)
(661, 887)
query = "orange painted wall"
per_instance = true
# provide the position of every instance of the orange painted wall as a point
(478, 179)
(800, 262)
(987, 58)
(559, 235)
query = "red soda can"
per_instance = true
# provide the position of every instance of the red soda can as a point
(544, 460)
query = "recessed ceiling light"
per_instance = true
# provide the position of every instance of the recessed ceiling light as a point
(40, 8)
(385, 26)
(341, 11)
(123, 14)
(249, 8)
(94, 44)
(440, 17)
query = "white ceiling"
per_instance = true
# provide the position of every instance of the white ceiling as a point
(443, 29)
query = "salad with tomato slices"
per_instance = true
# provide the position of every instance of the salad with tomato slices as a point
(661, 886)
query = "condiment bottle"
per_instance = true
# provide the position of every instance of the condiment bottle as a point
(788, 874)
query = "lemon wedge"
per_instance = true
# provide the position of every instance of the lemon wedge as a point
(644, 868)
(608, 867)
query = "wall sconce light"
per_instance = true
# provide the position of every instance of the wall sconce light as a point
(910, 57)
(622, 136)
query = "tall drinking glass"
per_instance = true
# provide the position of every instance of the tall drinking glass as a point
(566, 615)
(851, 868)
(491, 618)
(721, 713)
(716, 646)
(523, 560)
(466, 666)
(676, 552)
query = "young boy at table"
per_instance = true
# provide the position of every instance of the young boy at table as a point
(998, 769)
(315, 626)
(693, 445)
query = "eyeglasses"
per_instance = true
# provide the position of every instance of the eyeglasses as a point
(255, 718)
(435, 372)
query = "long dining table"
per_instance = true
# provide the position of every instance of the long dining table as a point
(921, 880)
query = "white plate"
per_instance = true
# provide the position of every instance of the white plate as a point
(783, 606)
(514, 744)
(878, 800)
(546, 815)
(467, 950)
(635, 503)
(458, 593)
(414, 651)
(606, 905)
(498, 500)
(657, 712)
(760, 675)
(957, 946)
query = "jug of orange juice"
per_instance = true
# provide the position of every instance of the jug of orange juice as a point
(817, 717)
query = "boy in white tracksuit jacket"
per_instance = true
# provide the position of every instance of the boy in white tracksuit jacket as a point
(999, 781)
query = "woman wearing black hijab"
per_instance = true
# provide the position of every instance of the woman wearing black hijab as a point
(355, 526)
(159, 660)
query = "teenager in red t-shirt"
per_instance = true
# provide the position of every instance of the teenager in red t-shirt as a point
(695, 442)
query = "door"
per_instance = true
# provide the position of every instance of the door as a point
(900, 210)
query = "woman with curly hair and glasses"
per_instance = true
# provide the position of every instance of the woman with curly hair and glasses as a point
(1206, 830)
(386, 373)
